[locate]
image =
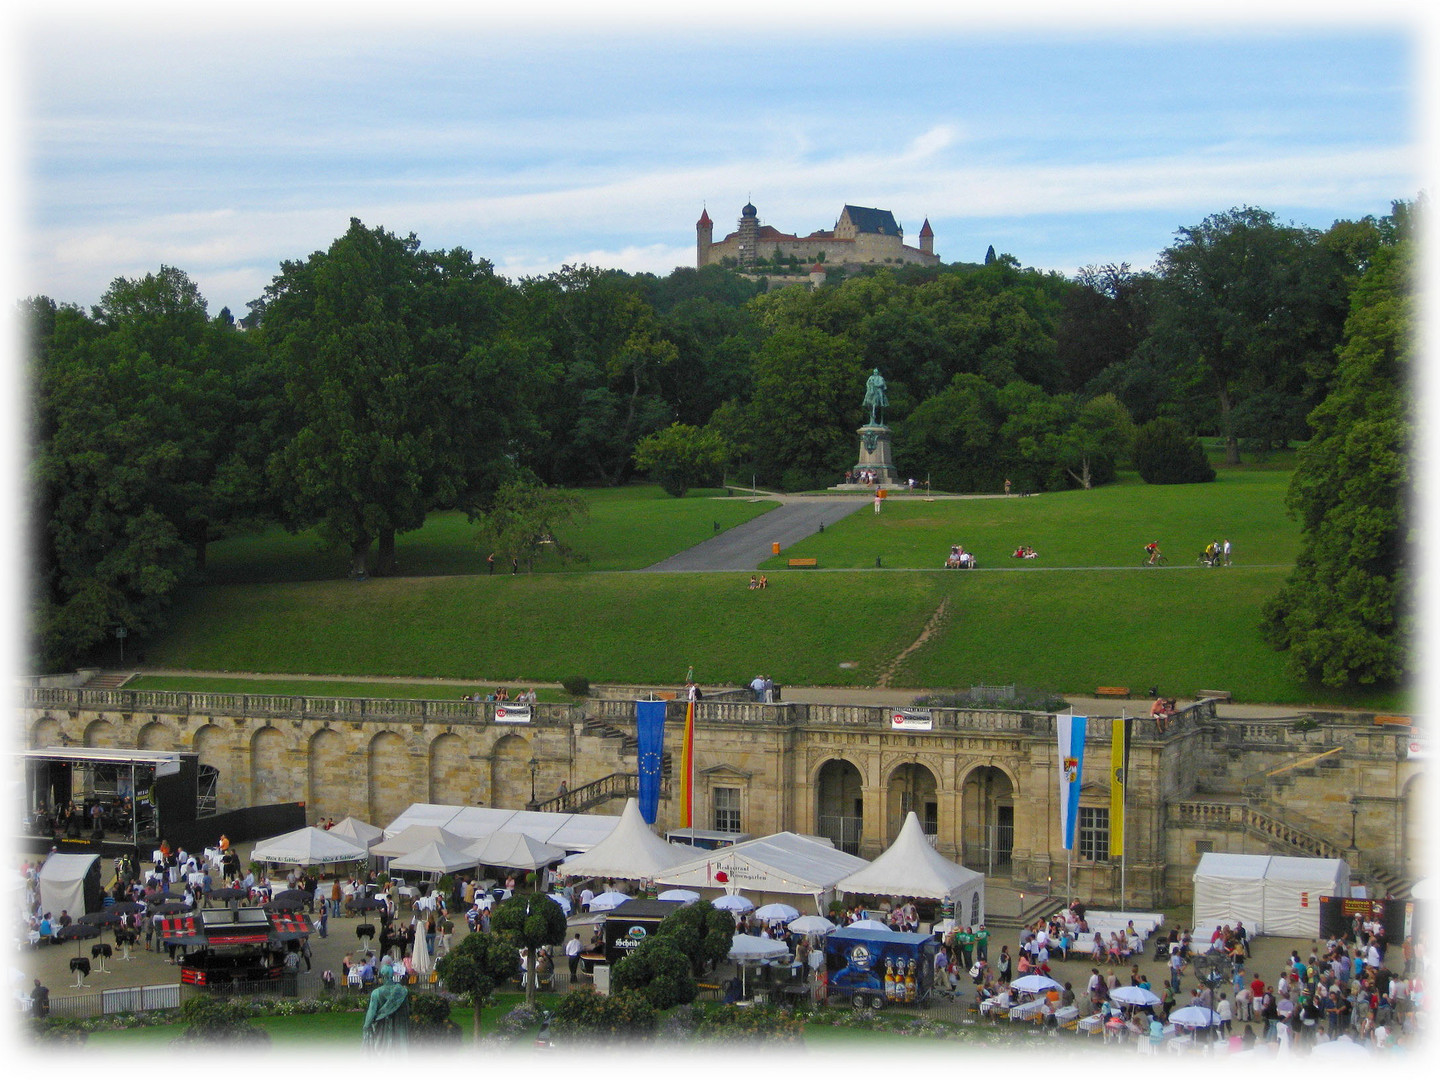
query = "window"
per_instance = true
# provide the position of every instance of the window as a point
(727, 809)
(1204, 846)
(1093, 839)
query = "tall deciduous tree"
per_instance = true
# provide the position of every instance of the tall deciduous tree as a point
(533, 920)
(1346, 614)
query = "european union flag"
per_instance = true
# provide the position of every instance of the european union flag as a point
(650, 730)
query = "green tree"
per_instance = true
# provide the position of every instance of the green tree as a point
(701, 931)
(477, 965)
(1346, 613)
(525, 516)
(584, 1016)
(681, 456)
(954, 437)
(532, 920)
(658, 970)
(1166, 454)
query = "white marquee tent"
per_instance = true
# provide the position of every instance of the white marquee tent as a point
(358, 832)
(573, 832)
(1272, 894)
(782, 864)
(434, 858)
(631, 850)
(415, 837)
(62, 884)
(308, 847)
(911, 867)
(514, 851)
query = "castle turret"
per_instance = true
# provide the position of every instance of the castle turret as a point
(817, 275)
(749, 236)
(704, 235)
(927, 238)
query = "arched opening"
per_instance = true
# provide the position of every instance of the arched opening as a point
(269, 782)
(100, 733)
(155, 736)
(449, 772)
(389, 776)
(510, 773)
(912, 787)
(46, 732)
(330, 779)
(213, 751)
(840, 805)
(987, 809)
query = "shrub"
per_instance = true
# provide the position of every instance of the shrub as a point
(219, 1020)
(430, 1022)
(518, 1021)
(585, 1016)
(759, 1024)
(1165, 454)
(576, 685)
(659, 971)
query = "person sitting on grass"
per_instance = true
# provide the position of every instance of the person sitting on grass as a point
(754, 582)
(764, 582)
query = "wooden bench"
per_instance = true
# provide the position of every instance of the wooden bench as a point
(796, 564)
(1218, 695)
(1393, 721)
(1112, 691)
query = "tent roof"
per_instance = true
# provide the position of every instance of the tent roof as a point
(911, 867)
(59, 867)
(416, 837)
(307, 846)
(573, 832)
(362, 832)
(514, 851)
(781, 862)
(434, 858)
(631, 850)
(1307, 870)
(1226, 864)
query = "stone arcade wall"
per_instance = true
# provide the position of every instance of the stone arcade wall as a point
(1195, 784)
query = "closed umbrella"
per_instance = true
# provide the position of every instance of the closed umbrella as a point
(810, 924)
(776, 913)
(734, 902)
(1133, 995)
(420, 958)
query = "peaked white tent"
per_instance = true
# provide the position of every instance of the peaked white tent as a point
(415, 837)
(1272, 894)
(357, 831)
(514, 851)
(434, 858)
(573, 832)
(308, 847)
(62, 884)
(778, 865)
(911, 867)
(631, 850)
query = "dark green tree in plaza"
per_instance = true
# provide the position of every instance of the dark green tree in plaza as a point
(532, 920)
(479, 964)
(702, 932)
(1347, 614)
(681, 456)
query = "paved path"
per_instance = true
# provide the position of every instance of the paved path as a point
(746, 546)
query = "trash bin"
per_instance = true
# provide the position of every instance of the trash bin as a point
(775, 547)
(602, 979)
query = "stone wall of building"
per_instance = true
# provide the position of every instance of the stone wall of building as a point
(984, 782)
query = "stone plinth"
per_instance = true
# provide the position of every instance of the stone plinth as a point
(875, 454)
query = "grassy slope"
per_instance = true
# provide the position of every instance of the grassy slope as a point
(1083, 614)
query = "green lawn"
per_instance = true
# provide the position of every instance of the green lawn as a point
(626, 529)
(1084, 614)
(327, 688)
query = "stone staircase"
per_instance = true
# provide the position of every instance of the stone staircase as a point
(109, 680)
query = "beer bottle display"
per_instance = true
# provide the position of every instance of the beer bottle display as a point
(889, 980)
(910, 981)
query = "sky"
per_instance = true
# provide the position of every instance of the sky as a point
(225, 143)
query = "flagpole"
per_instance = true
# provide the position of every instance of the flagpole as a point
(693, 711)
(1070, 850)
(1124, 795)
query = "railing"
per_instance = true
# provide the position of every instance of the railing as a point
(1221, 815)
(614, 786)
(124, 999)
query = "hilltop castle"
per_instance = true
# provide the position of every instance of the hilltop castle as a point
(862, 236)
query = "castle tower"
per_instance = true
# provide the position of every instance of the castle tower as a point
(817, 275)
(749, 236)
(927, 238)
(704, 235)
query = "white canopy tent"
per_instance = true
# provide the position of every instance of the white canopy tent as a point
(434, 858)
(573, 832)
(1272, 894)
(514, 851)
(62, 884)
(911, 867)
(416, 837)
(308, 847)
(782, 864)
(357, 831)
(631, 850)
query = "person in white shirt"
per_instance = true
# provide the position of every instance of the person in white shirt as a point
(572, 954)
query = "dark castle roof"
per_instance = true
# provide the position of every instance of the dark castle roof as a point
(869, 220)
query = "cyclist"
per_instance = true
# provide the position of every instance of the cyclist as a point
(1212, 554)
(1154, 549)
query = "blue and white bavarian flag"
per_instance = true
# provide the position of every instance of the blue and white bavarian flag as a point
(1070, 734)
(650, 730)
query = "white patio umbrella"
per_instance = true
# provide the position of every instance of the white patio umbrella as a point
(810, 924)
(685, 896)
(868, 924)
(560, 899)
(607, 900)
(420, 957)
(1193, 1016)
(1034, 984)
(777, 913)
(734, 902)
(746, 949)
(1134, 995)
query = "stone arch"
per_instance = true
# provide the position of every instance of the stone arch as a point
(100, 733)
(45, 732)
(988, 797)
(329, 776)
(269, 778)
(155, 736)
(389, 778)
(911, 786)
(1414, 827)
(450, 779)
(840, 803)
(510, 772)
(212, 749)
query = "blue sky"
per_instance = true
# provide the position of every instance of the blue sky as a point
(225, 145)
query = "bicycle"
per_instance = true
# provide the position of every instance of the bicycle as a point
(1158, 559)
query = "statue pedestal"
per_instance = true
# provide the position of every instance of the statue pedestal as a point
(875, 454)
